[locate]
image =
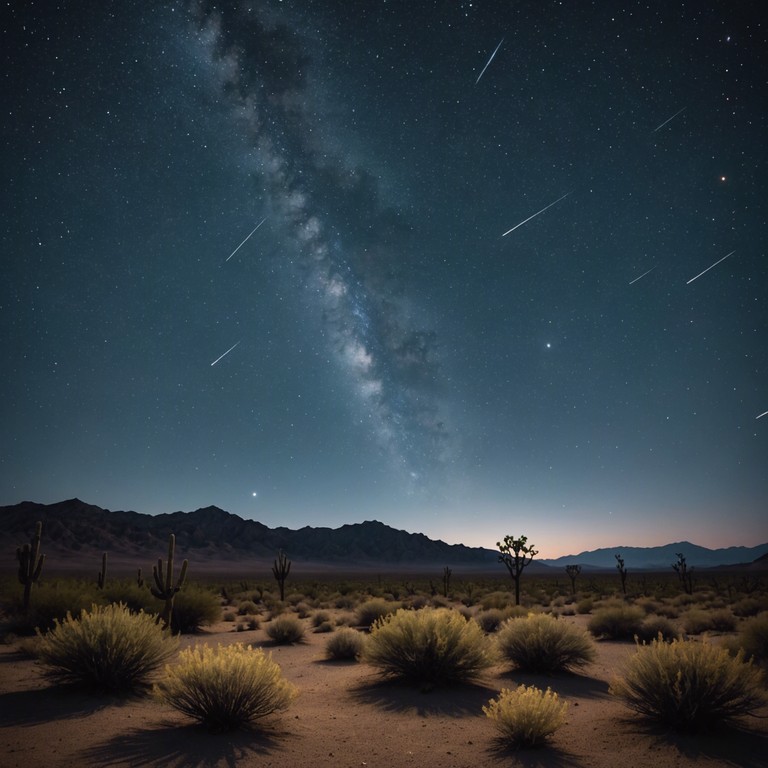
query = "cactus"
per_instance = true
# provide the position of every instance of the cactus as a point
(101, 579)
(139, 579)
(30, 563)
(516, 555)
(573, 571)
(684, 573)
(281, 569)
(622, 573)
(447, 572)
(164, 588)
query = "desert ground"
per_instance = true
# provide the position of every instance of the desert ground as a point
(347, 716)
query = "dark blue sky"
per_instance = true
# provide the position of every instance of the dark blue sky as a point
(396, 356)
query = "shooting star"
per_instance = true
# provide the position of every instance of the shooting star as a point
(488, 63)
(642, 276)
(764, 413)
(225, 354)
(710, 267)
(536, 214)
(669, 119)
(246, 240)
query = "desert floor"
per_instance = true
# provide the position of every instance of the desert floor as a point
(346, 716)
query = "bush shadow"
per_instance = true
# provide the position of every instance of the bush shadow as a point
(544, 756)
(187, 746)
(733, 745)
(566, 684)
(50, 704)
(400, 696)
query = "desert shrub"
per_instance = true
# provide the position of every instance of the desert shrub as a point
(226, 687)
(749, 606)
(431, 646)
(526, 716)
(542, 643)
(229, 616)
(372, 610)
(490, 620)
(616, 622)
(753, 639)
(193, 608)
(497, 600)
(107, 647)
(286, 629)
(696, 621)
(344, 603)
(326, 626)
(653, 626)
(254, 623)
(320, 617)
(688, 685)
(247, 606)
(345, 643)
(51, 603)
(131, 594)
(722, 620)
(302, 610)
(585, 606)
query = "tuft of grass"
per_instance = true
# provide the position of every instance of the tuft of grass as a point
(344, 644)
(225, 688)
(108, 648)
(527, 716)
(432, 646)
(320, 617)
(690, 685)
(370, 611)
(286, 629)
(616, 622)
(542, 643)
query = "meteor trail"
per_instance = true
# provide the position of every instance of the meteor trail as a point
(641, 276)
(710, 267)
(668, 120)
(535, 214)
(225, 354)
(764, 413)
(487, 64)
(246, 240)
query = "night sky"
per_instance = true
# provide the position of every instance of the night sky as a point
(439, 264)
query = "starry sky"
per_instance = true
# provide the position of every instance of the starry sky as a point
(440, 264)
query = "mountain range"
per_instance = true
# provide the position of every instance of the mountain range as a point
(74, 531)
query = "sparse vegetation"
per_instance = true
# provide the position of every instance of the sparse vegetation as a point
(433, 646)
(372, 610)
(653, 627)
(286, 629)
(542, 643)
(193, 608)
(527, 716)
(616, 622)
(225, 688)
(344, 644)
(688, 685)
(753, 640)
(108, 648)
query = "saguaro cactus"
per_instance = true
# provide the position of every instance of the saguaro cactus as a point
(30, 563)
(101, 579)
(281, 569)
(164, 588)
(446, 580)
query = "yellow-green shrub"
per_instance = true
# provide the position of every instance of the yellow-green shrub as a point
(432, 646)
(616, 622)
(226, 687)
(107, 647)
(286, 629)
(526, 716)
(344, 643)
(542, 643)
(688, 684)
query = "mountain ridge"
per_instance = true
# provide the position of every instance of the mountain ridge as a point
(74, 528)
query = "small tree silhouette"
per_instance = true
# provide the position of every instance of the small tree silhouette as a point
(516, 555)
(622, 573)
(280, 570)
(685, 574)
(573, 571)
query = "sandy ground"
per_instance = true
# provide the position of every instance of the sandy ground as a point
(346, 716)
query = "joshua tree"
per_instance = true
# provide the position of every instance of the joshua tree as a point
(684, 573)
(281, 569)
(164, 588)
(622, 573)
(101, 579)
(516, 555)
(573, 571)
(30, 563)
(446, 580)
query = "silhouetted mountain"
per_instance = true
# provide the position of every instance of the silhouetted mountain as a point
(661, 558)
(71, 527)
